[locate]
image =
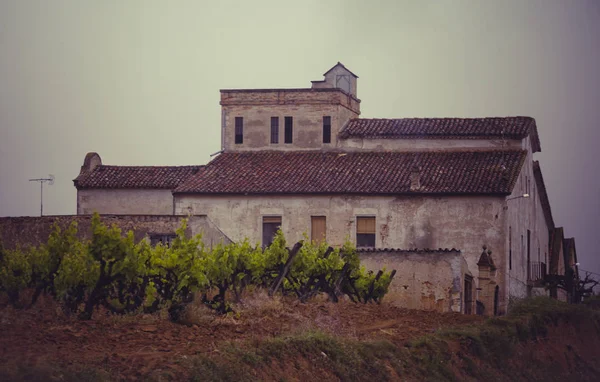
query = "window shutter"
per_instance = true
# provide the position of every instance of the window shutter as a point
(318, 228)
(365, 225)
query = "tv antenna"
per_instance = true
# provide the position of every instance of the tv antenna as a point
(50, 180)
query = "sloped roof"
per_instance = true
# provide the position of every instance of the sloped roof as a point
(139, 177)
(373, 173)
(443, 128)
(541, 187)
(342, 65)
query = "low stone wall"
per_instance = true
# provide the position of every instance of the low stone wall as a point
(425, 279)
(33, 231)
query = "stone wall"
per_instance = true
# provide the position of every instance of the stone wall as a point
(34, 231)
(425, 279)
(125, 201)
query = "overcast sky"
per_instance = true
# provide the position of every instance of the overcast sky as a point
(138, 81)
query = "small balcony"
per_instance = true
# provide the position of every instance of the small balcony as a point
(537, 273)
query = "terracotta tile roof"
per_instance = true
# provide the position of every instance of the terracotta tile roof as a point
(161, 177)
(385, 173)
(541, 187)
(443, 128)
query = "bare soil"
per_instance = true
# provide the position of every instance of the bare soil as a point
(132, 347)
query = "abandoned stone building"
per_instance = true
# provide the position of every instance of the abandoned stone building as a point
(419, 195)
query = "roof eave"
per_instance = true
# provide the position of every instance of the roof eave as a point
(449, 193)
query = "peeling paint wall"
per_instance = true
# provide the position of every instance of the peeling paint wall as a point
(125, 202)
(463, 222)
(432, 280)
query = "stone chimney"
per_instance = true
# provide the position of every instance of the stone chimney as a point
(415, 178)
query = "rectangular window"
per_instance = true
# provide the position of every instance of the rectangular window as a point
(326, 129)
(274, 129)
(317, 229)
(270, 226)
(239, 130)
(468, 293)
(162, 238)
(509, 248)
(365, 231)
(288, 130)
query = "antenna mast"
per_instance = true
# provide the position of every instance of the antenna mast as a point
(50, 181)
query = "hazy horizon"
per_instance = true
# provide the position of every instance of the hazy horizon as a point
(138, 81)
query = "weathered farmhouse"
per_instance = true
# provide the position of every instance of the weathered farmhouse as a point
(303, 160)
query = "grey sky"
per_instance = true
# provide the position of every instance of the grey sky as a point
(139, 81)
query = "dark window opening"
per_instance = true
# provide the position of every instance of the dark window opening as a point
(496, 299)
(270, 226)
(239, 130)
(162, 238)
(365, 231)
(288, 130)
(528, 255)
(274, 129)
(326, 129)
(509, 248)
(468, 293)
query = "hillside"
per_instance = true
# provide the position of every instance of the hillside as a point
(275, 339)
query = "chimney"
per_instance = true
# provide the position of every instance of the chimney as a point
(91, 161)
(415, 178)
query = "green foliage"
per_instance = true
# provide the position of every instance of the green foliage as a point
(113, 271)
(15, 273)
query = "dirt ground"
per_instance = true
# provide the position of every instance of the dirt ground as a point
(130, 347)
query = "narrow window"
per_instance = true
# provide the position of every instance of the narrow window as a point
(365, 231)
(288, 130)
(274, 129)
(509, 248)
(468, 294)
(270, 226)
(239, 130)
(528, 255)
(317, 229)
(326, 129)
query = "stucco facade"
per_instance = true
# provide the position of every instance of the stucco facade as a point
(525, 223)
(307, 107)
(463, 222)
(428, 280)
(125, 202)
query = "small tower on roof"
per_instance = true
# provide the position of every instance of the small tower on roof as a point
(338, 77)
